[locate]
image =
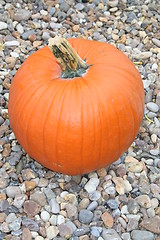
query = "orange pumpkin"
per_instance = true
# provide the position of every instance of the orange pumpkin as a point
(77, 124)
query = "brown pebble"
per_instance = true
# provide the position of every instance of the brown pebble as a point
(32, 37)
(31, 208)
(26, 234)
(37, 43)
(76, 28)
(30, 185)
(42, 231)
(2, 196)
(2, 217)
(84, 237)
(7, 150)
(16, 34)
(101, 172)
(107, 220)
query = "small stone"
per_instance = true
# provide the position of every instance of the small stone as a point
(113, 204)
(30, 224)
(133, 165)
(143, 55)
(39, 238)
(84, 203)
(53, 220)
(60, 219)
(3, 25)
(2, 217)
(92, 206)
(152, 224)
(65, 230)
(12, 191)
(38, 197)
(64, 7)
(11, 217)
(144, 201)
(5, 227)
(82, 231)
(31, 208)
(94, 196)
(19, 28)
(151, 212)
(32, 37)
(55, 208)
(71, 211)
(26, 234)
(154, 202)
(21, 14)
(102, 172)
(85, 216)
(109, 234)
(28, 174)
(132, 223)
(144, 185)
(15, 225)
(125, 236)
(79, 6)
(43, 12)
(52, 232)
(45, 36)
(37, 44)
(3, 205)
(152, 107)
(156, 42)
(113, 3)
(76, 28)
(30, 185)
(19, 200)
(45, 216)
(142, 235)
(133, 206)
(155, 151)
(3, 183)
(91, 185)
(119, 185)
(96, 231)
(13, 43)
(107, 220)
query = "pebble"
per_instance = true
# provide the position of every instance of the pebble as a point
(30, 224)
(26, 234)
(20, 28)
(55, 208)
(31, 208)
(71, 211)
(21, 14)
(142, 235)
(45, 216)
(113, 204)
(156, 42)
(152, 107)
(152, 224)
(96, 231)
(85, 216)
(144, 201)
(19, 200)
(65, 230)
(3, 183)
(91, 185)
(107, 220)
(143, 55)
(13, 43)
(12, 191)
(52, 232)
(109, 234)
(92, 206)
(133, 206)
(3, 25)
(38, 197)
(2, 217)
(60, 219)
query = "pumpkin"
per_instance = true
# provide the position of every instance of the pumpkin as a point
(77, 105)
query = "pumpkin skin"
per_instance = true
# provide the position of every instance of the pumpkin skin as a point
(74, 126)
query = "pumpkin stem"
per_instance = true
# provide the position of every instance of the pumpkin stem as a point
(71, 63)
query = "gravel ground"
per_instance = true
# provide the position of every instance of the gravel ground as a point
(118, 202)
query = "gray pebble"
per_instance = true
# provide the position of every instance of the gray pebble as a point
(96, 231)
(55, 208)
(109, 234)
(142, 235)
(92, 206)
(12, 191)
(15, 225)
(85, 216)
(156, 42)
(29, 223)
(152, 107)
(133, 206)
(79, 6)
(82, 231)
(113, 204)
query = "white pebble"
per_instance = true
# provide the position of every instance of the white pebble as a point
(92, 185)
(3, 25)
(11, 43)
(39, 238)
(153, 107)
(14, 54)
(60, 219)
(45, 216)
